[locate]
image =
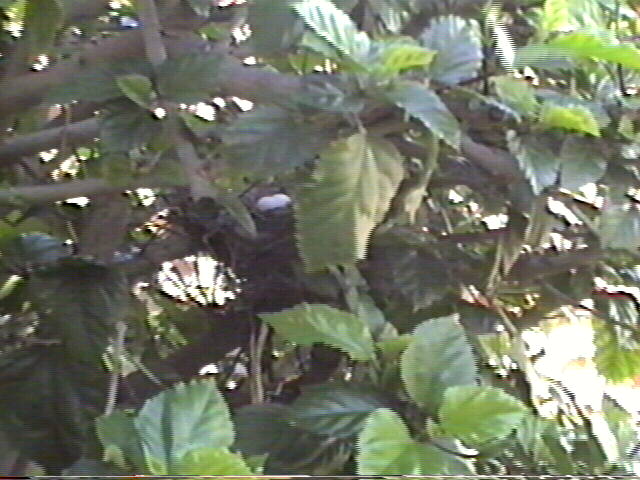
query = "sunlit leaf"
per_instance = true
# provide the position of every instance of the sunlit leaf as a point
(576, 118)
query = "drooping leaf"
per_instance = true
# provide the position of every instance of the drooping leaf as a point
(335, 409)
(536, 158)
(268, 140)
(438, 357)
(581, 163)
(386, 448)
(42, 20)
(588, 45)
(119, 439)
(351, 192)
(334, 26)
(211, 461)
(425, 105)
(79, 302)
(576, 118)
(477, 414)
(307, 324)
(616, 361)
(517, 94)
(188, 78)
(459, 48)
(180, 421)
(136, 88)
(620, 228)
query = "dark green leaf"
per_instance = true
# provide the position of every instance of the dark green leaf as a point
(620, 227)
(425, 105)
(274, 26)
(268, 140)
(439, 357)
(188, 78)
(537, 160)
(459, 47)
(42, 20)
(263, 429)
(124, 126)
(581, 163)
(137, 88)
(335, 409)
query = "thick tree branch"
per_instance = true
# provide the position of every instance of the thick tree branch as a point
(78, 133)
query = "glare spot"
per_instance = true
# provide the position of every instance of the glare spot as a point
(244, 105)
(159, 113)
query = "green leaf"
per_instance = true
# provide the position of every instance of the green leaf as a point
(582, 163)
(439, 357)
(477, 415)
(47, 403)
(201, 7)
(79, 302)
(263, 428)
(137, 88)
(459, 49)
(180, 421)
(124, 126)
(563, 15)
(334, 26)
(536, 158)
(386, 448)
(306, 324)
(620, 228)
(616, 361)
(28, 250)
(517, 94)
(119, 439)
(268, 141)
(576, 117)
(425, 105)
(42, 20)
(188, 78)
(354, 182)
(335, 409)
(274, 26)
(397, 57)
(584, 45)
(212, 461)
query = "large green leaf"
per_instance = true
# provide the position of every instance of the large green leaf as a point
(188, 78)
(47, 403)
(459, 46)
(307, 324)
(575, 117)
(438, 357)
(212, 461)
(137, 88)
(334, 26)
(582, 163)
(42, 20)
(562, 15)
(477, 414)
(124, 126)
(517, 94)
(120, 442)
(78, 303)
(274, 26)
(335, 409)
(537, 160)
(263, 428)
(620, 227)
(598, 47)
(269, 140)
(185, 419)
(425, 105)
(386, 448)
(352, 189)
(616, 361)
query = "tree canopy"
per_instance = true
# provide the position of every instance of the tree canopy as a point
(326, 237)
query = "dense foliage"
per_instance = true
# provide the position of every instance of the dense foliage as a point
(352, 213)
